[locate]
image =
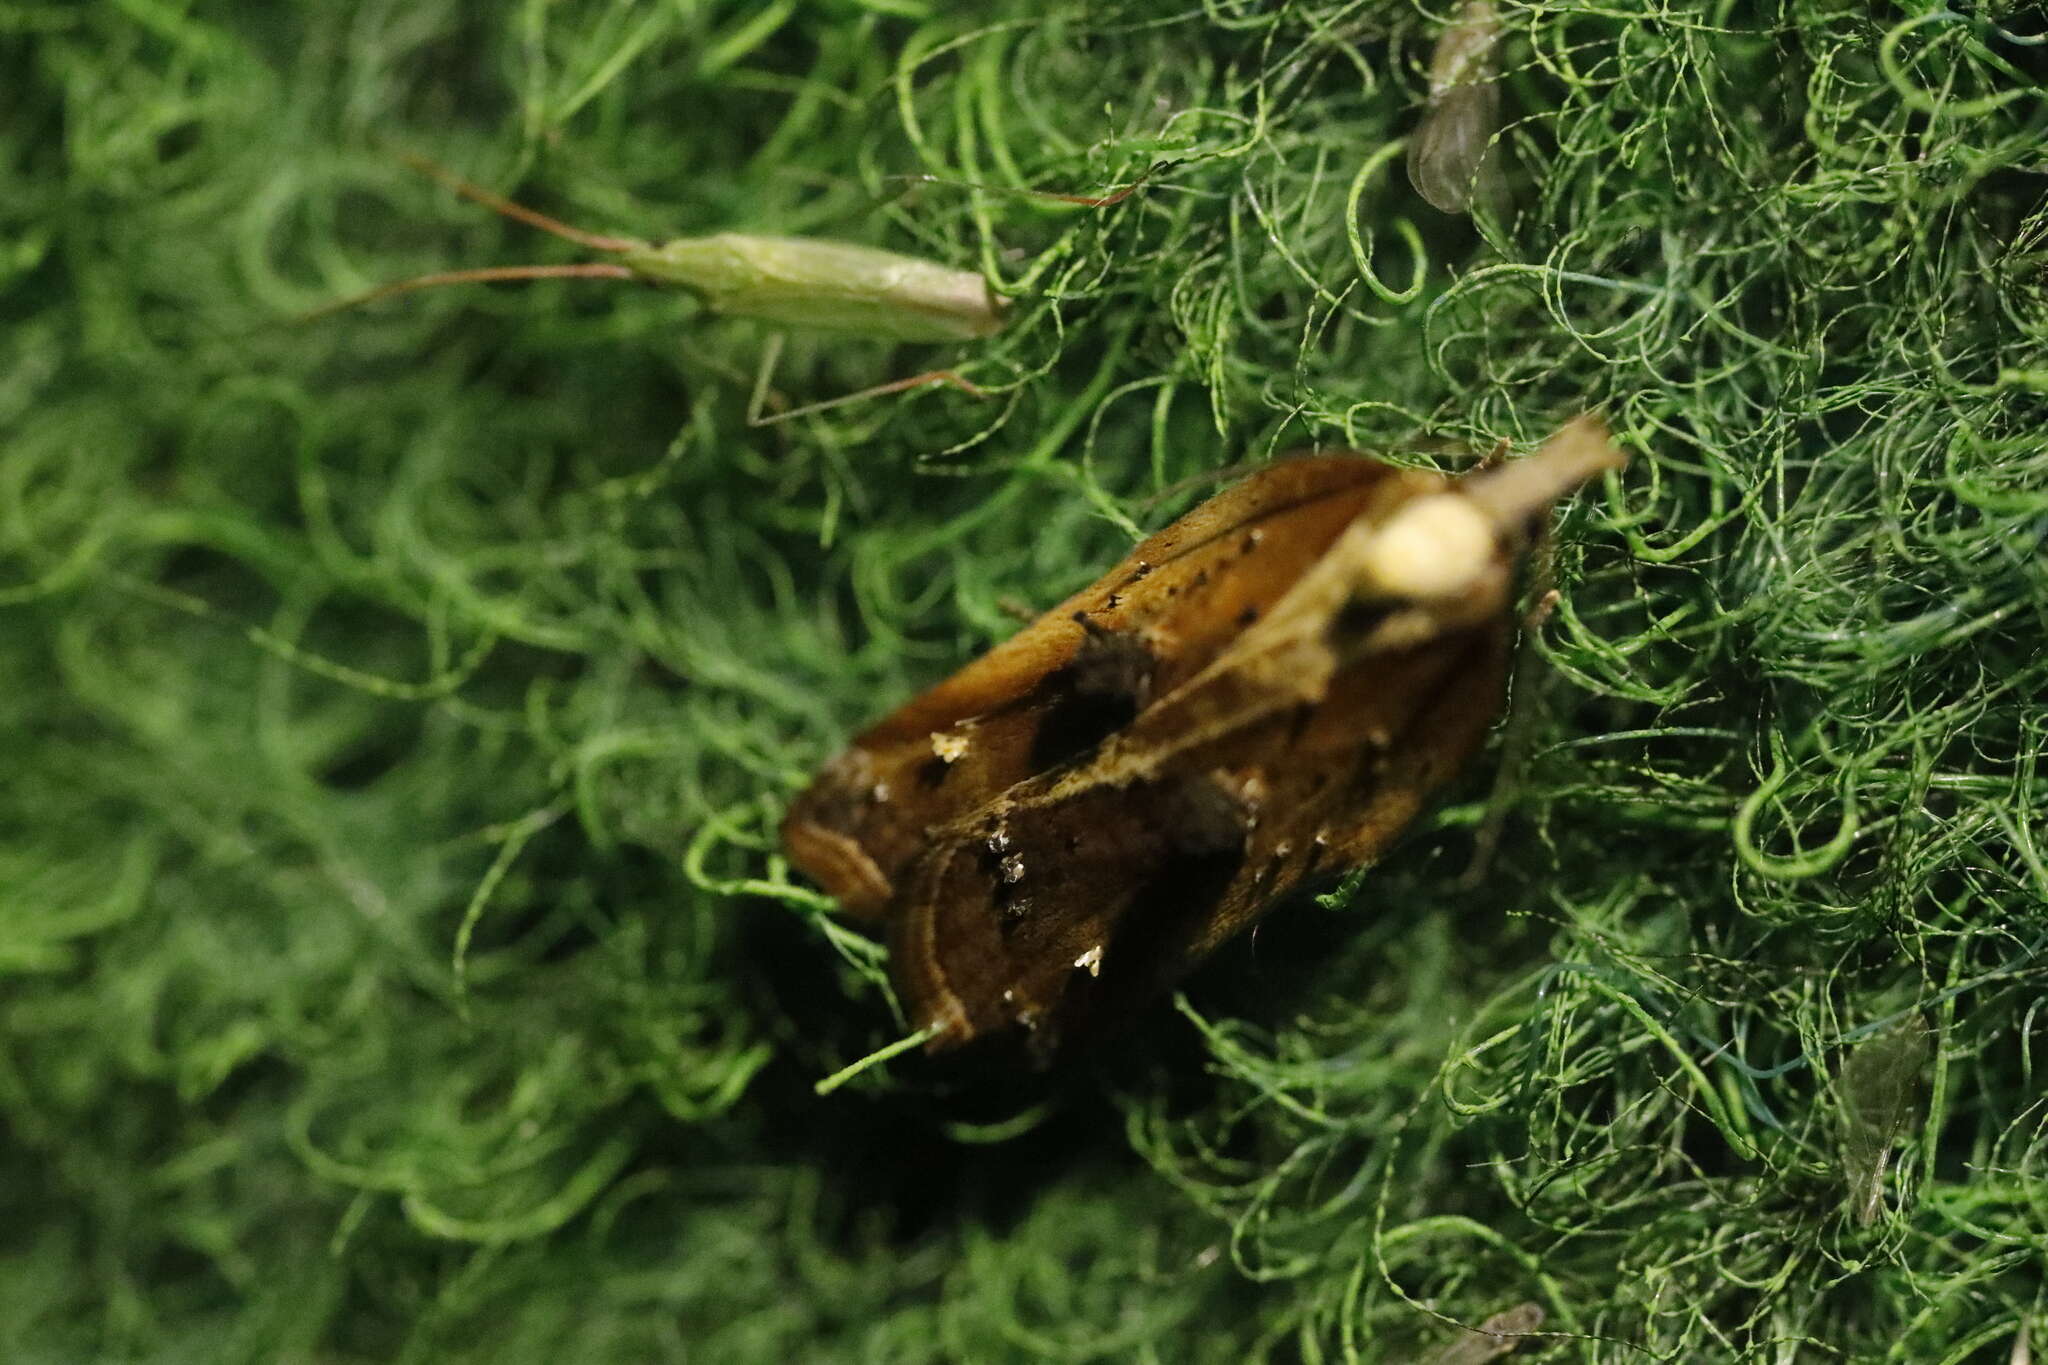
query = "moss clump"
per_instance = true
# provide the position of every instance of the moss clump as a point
(394, 958)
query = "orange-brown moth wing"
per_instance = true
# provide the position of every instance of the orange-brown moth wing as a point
(1050, 694)
(1310, 740)
(1073, 899)
(1273, 685)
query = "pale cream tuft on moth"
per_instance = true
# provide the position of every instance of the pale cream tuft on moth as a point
(1436, 546)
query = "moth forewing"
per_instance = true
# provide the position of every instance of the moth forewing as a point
(1321, 730)
(1427, 557)
(1049, 695)
(1361, 665)
(1109, 885)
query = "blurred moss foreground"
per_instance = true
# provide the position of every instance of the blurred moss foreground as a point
(395, 960)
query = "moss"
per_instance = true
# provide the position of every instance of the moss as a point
(396, 962)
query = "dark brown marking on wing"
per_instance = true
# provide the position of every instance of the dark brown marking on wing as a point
(1099, 691)
(1358, 617)
(1175, 866)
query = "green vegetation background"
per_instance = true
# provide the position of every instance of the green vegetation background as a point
(395, 960)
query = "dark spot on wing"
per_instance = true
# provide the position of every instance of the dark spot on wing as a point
(1367, 777)
(1359, 617)
(1299, 722)
(1203, 819)
(1146, 950)
(1097, 693)
(932, 772)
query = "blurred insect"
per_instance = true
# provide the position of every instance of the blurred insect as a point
(1490, 1340)
(1264, 692)
(792, 281)
(1448, 156)
(1879, 1081)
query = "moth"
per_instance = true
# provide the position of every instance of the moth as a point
(1499, 1335)
(1267, 690)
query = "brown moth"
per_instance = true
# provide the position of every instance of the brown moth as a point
(1268, 689)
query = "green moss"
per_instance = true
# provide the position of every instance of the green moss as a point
(395, 961)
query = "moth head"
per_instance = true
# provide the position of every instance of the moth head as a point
(1437, 546)
(1449, 544)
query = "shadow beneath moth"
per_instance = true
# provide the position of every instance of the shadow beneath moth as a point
(1266, 691)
